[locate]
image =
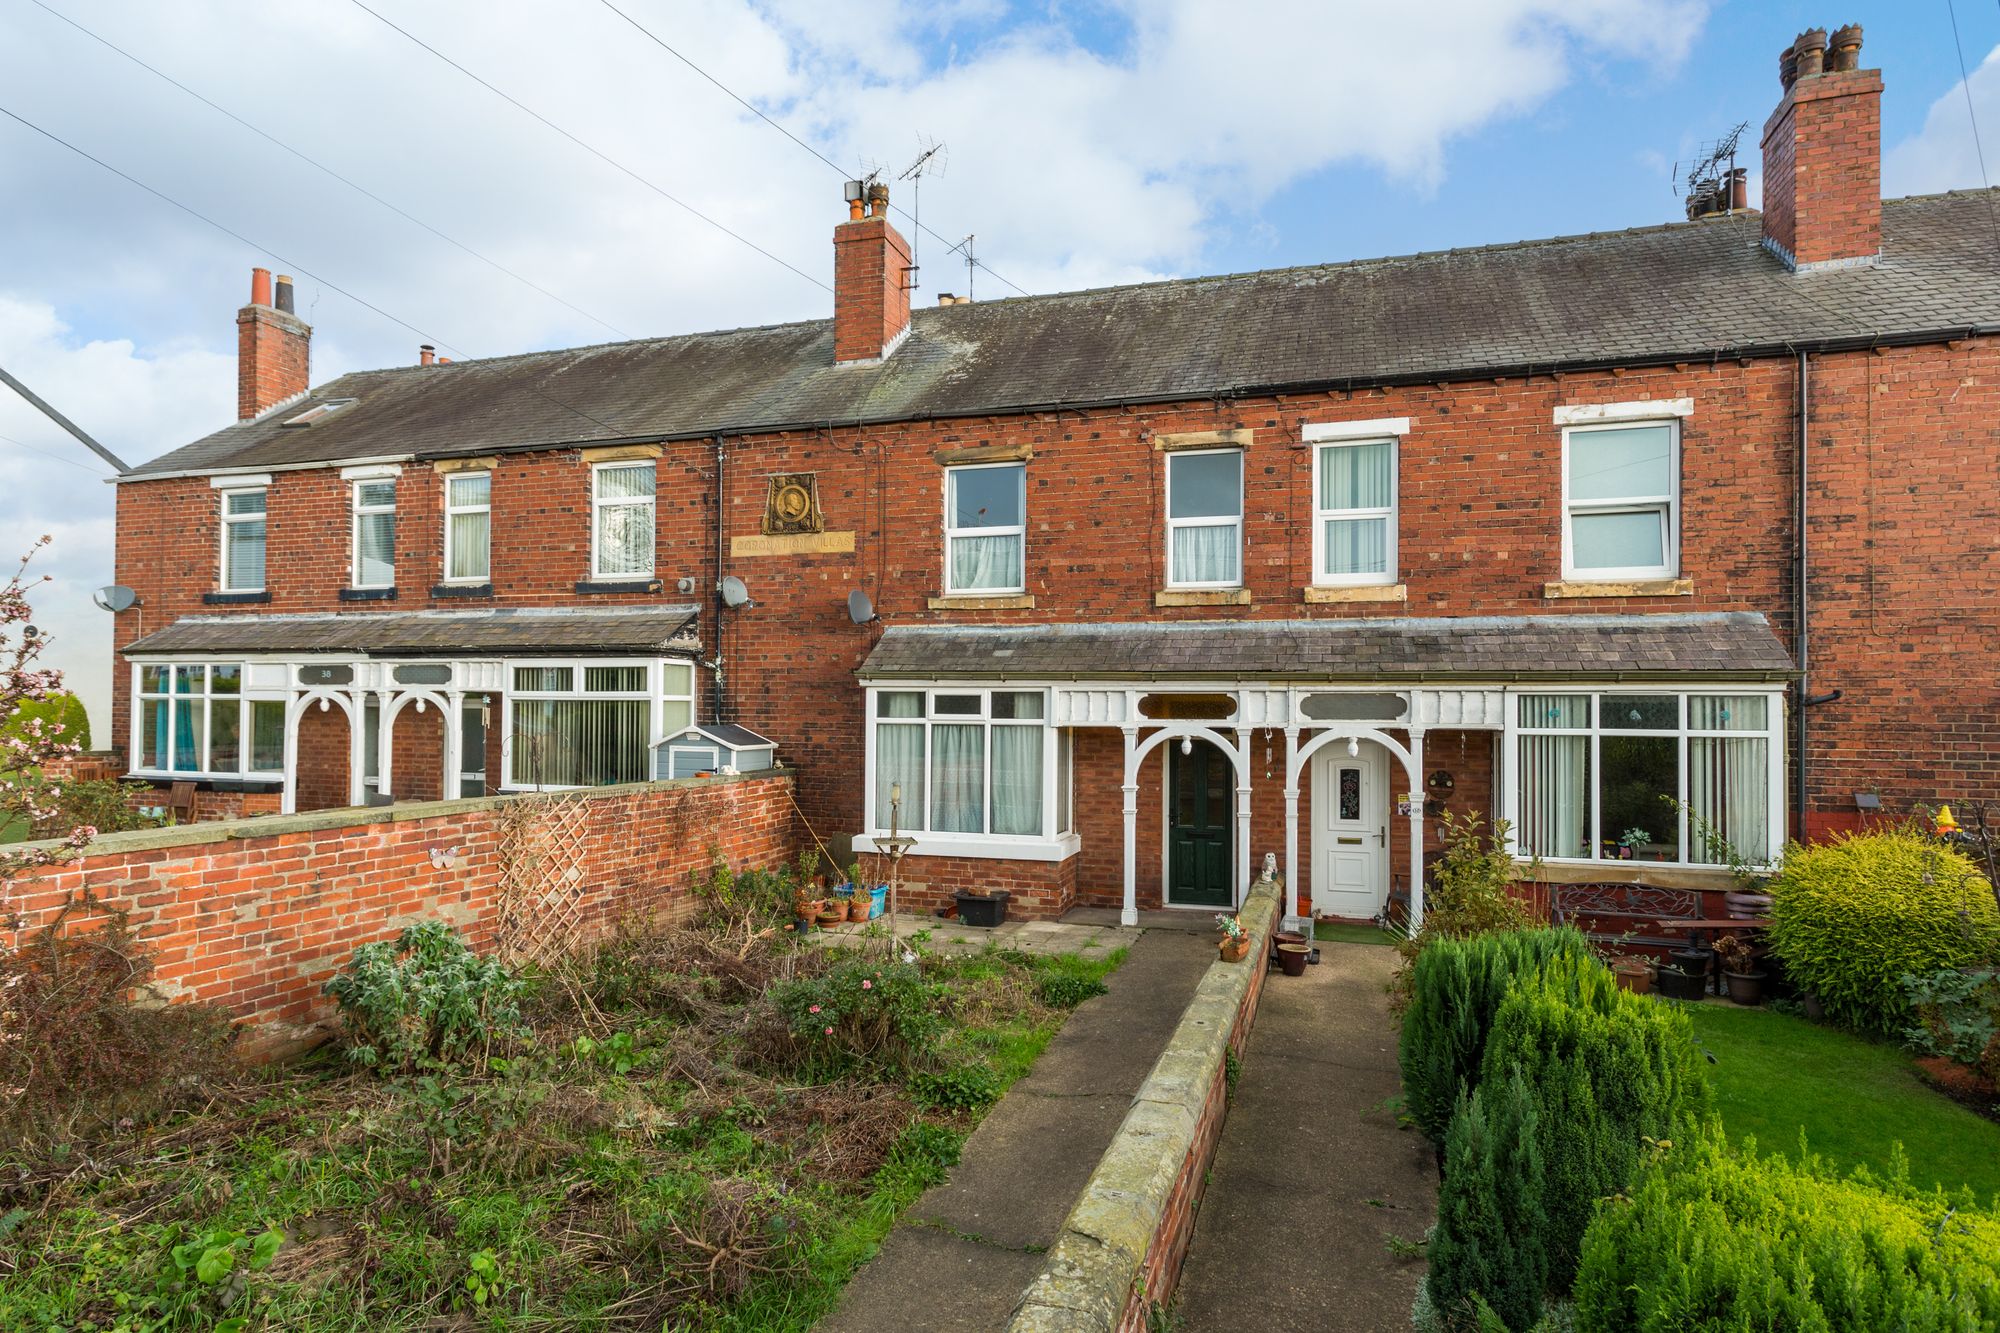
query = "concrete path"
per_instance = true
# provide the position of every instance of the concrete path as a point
(1313, 1178)
(963, 1253)
(1088, 939)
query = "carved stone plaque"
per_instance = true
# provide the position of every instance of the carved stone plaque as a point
(792, 506)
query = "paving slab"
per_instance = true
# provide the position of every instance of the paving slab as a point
(1313, 1176)
(1024, 1165)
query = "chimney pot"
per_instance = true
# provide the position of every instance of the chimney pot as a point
(285, 301)
(1844, 50)
(260, 286)
(1788, 67)
(426, 354)
(878, 199)
(1811, 51)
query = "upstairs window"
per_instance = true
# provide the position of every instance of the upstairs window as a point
(243, 541)
(1621, 501)
(1354, 512)
(1205, 519)
(621, 520)
(985, 528)
(374, 534)
(468, 527)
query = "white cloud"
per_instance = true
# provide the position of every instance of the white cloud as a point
(1943, 155)
(1078, 158)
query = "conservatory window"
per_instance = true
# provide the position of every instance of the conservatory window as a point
(194, 721)
(985, 528)
(1683, 779)
(961, 761)
(581, 724)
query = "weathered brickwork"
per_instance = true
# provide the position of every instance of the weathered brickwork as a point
(256, 916)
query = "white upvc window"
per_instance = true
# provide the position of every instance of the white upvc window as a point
(194, 720)
(591, 722)
(1205, 518)
(967, 766)
(621, 520)
(468, 527)
(374, 541)
(1621, 500)
(243, 539)
(1354, 511)
(985, 528)
(1647, 774)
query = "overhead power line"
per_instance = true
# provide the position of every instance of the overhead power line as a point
(292, 264)
(50, 453)
(1965, 82)
(321, 166)
(756, 111)
(602, 156)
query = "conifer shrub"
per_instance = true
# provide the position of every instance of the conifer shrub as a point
(1851, 917)
(1456, 989)
(1485, 1254)
(1610, 1070)
(1707, 1239)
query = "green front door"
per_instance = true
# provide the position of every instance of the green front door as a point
(1199, 789)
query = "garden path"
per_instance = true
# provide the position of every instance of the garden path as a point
(963, 1253)
(1313, 1177)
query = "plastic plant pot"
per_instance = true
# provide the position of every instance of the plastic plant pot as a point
(982, 909)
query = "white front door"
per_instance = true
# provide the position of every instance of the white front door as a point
(1350, 838)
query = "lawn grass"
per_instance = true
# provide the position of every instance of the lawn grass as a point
(1776, 1075)
(589, 1192)
(1352, 932)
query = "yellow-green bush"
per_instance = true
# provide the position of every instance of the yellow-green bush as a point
(1708, 1239)
(1852, 917)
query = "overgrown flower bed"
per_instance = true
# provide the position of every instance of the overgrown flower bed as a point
(691, 1128)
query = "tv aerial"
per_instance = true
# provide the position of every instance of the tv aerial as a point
(930, 162)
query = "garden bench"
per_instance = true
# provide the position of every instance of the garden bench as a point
(1622, 914)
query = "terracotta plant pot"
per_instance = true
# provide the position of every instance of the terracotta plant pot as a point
(1746, 988)
(1292, 958)
(857, 907)
(1634, 975)
(1234, 951)
(832, 915)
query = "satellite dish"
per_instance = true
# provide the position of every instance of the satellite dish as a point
(115, 598)
(860, 609)
(733, 592)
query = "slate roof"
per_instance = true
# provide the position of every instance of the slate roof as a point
(1685, 291)
(1737, 645)
(625, 631)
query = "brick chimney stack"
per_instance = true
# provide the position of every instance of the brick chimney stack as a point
(273, 347)
(1823, 154)
(871, 280)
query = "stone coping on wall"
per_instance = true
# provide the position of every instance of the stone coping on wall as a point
(271, 826)
(1098, 1262)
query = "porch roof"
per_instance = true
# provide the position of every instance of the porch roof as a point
(1737, 646)
(511, 631)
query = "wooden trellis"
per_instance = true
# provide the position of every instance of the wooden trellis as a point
(542, 884)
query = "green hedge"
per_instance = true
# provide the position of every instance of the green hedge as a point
(1487, 1246)
(1710, 1240)
(1609, 1070)
(1456, 987)
(1852, 917)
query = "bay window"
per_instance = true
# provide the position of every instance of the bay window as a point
(194, 721)
(1354, 512)
(243, 540)
(468, 527)
(621, 520)
(985, 528)
(1621, 501)
(967, 762)
(1643, 776)
(1205, 519)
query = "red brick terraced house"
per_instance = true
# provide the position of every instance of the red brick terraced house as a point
(1625, 539)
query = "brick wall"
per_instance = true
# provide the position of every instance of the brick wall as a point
(1822, 186)
(1903, 459)
(257, 916)
(1037, 890)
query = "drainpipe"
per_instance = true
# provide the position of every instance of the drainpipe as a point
(721, 608)
(1802, 604)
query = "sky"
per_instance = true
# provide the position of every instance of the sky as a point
(1084, 144)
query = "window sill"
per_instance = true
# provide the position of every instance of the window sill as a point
(235, 598)
(367, 594)
(1619, 588)
(974, 847)
(1018, 601)
(1321, 594)
(462, 590)
(1663, 874)
(613, 587)
(1202, 597)
(211, 782)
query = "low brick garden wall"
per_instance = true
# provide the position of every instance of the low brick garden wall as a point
(256, 914)
(1119, 1253)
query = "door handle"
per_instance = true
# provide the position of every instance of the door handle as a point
(1382, 836)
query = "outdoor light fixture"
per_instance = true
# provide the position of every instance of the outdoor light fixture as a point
(1353, 747)
(1187, 745)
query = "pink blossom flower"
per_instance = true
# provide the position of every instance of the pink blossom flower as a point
(867, 985)
(813, 1010)
(829, 1032)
